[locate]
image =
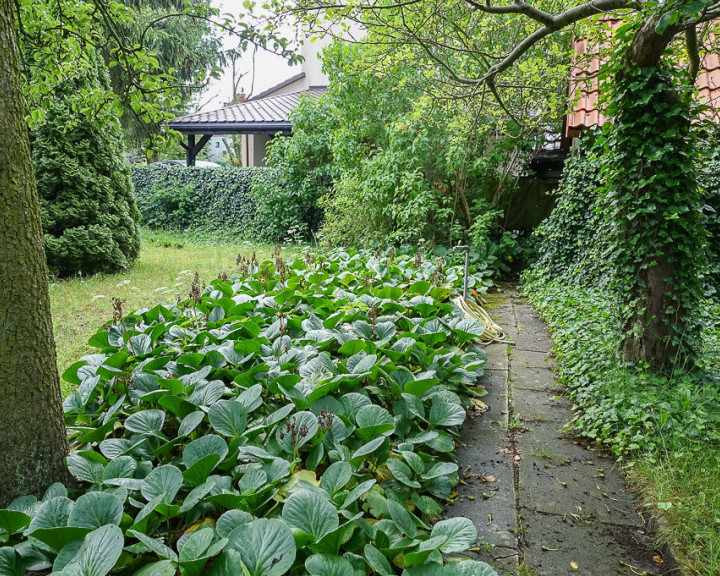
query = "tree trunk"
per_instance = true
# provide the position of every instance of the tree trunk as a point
(657, 324)
(33, 441)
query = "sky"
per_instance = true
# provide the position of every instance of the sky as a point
(269, 69)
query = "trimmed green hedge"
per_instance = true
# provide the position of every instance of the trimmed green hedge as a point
(180, 198)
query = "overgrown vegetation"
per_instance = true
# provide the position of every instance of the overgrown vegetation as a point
(665, 426)
(297, 417)
(391, 154)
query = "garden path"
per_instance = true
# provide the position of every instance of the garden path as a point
(543, 504)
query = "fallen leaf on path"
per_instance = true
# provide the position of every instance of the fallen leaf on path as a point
(574, 565)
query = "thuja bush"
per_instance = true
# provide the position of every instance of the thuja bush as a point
(89, 216)
(293, 418)
(180, 198)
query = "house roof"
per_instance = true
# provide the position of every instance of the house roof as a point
(584, 87)
(262, 116)
(277, 87)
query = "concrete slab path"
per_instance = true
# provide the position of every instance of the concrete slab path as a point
(543, 504)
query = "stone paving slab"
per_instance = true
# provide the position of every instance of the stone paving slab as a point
(542, 503)
(533, 379)
(522, 359)
(552, 543)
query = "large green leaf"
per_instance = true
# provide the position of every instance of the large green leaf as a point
(98, 553)
(145, 421)
(201, 457)
(367, 450)
(266, 546)
(377, 561)
(328, 565)
(190, 422)
(12, 521)
(231, 520)
(336, 476)
(403, 519)
(373, 421)
(228, 417)
(444, 413)
(95, 509)
(460, 532)
(163, 482)
(53, 513)
(311, 513)
(11, 563)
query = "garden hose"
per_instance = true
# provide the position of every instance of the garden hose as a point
(493, 332)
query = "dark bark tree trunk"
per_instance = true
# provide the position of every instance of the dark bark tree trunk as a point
(652, 330)
(33, 441)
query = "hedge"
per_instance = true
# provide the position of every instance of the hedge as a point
(180, 198)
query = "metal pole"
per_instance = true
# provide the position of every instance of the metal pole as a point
(467, 267)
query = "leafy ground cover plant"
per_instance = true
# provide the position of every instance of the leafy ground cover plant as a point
(297, 417)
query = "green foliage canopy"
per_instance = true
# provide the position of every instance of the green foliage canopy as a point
(390, 154)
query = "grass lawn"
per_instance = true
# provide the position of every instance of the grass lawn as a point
(164, 270)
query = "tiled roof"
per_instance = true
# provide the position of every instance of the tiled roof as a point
(585, 92)
(272, 113)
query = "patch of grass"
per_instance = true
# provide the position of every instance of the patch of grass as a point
(163, 272)
(681, 489)
(526, 570)
(540, 452)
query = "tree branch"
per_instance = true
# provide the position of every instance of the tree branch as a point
(519, 7)
(691, 43)
(560, 21)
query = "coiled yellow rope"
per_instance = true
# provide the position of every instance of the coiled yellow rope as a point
(493, 332)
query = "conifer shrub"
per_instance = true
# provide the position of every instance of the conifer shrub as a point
(90, 219)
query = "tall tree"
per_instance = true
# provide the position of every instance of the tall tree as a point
(657, 230)
(33, 442)
(32, 434)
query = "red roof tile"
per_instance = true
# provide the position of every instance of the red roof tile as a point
(584, 84)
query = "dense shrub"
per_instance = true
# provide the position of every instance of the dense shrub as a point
(573, 239)
(286, 196)
(180, 198)
(388, 162)
(709, 180)
(90, 219)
